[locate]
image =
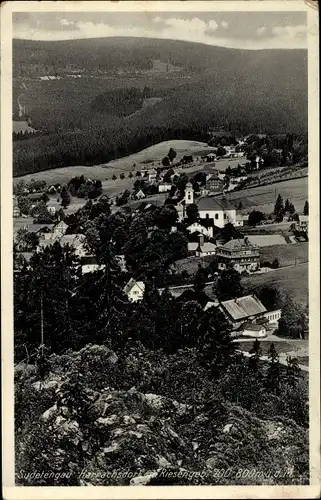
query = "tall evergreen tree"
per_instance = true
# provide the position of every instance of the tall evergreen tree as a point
(279, 209)
(306, 208)
(273, 375)
(293, 372)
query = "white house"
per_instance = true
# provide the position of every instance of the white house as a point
(221, 211)
(253, 330)
(140, 195)
(152, 175)
(51, 209)
(205, 248)
(134, 290)
(199, 228)
(60, 228)
(164, 187)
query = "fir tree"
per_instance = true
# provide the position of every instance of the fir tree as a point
(254, 360)
(279, 209)
(273, 374)
(293, 372)
(306, 208)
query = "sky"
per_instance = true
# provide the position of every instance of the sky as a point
(246, 30)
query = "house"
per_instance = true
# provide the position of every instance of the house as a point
(89, 265)
(203, 226)
(240, 219)
(214, 184)
(205, 248)
(242, 310)
(253, 330)
(140, 195)
(59, 229)
(239, 253)
(221, 211)
(152, 175)
(134, 290)
(77, 241)
(164, 187)
(52, 190)
(304, 222)
(192, 247)
(51, 209)
(16, 211)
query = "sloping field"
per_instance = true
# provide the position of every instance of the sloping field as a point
(263, 198)
(289, 280)
(288, 255)
(143, 160)
(156, 153)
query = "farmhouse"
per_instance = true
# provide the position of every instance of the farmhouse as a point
(239, 253)
(59, 229)
(140, 195)
(205, 248)
(203, 226)
(152, 175)
(134, 290)
(77, 241)
(304, 222)
(248, 316)
(164, 187)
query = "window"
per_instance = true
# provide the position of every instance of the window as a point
(216, 216)
(189, 196)
(224, 216)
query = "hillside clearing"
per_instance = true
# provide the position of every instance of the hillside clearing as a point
(290, 280)
(263, 197)
(287, 255)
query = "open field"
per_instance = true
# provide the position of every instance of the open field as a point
(291, 347)
(289, 280)
(288, 255)
(263, 197)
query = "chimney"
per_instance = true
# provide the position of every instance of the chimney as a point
(201, 240)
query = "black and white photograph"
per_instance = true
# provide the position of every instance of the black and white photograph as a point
(162, 227)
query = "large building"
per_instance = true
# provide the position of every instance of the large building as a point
(220, 210)
(249, 317)
(240, 254)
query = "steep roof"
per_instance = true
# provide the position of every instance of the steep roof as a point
(213, 203)
(238, 244)
(207, 247)
(131, 283)
(243, 307)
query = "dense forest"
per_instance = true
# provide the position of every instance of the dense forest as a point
(255, 92)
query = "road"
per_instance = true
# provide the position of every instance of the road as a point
(282, 359)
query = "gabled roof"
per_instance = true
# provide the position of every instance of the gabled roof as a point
(60, 225)
(243, 307)
(207, 247)
(239, 244)
(213, 203)
(131, 283)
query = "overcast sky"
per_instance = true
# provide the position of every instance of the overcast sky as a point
(248, 30)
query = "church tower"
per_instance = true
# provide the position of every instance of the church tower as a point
(189, 194)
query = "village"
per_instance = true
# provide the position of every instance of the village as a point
(219, 236)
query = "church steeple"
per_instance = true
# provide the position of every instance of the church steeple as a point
(189, 194)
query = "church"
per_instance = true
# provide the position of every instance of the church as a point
(209, 207)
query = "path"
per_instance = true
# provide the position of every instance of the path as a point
(282, 360)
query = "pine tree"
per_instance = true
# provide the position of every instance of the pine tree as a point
(279, 209)
(293, 372)
(286, 205)
(254, 360)
(273, 375)
(306, 208)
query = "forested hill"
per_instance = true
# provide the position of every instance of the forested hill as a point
(195, 85)
(124, 52)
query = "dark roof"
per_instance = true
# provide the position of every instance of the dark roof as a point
(201, 297)
(214, 203)
(243, 307)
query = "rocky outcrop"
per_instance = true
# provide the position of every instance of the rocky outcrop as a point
(122, 437)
